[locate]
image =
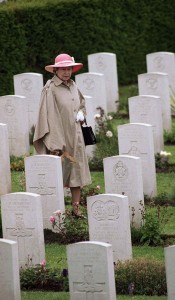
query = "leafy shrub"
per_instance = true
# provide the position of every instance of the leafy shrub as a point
(162, 161)
(17, 163)
(106, 140)
(68, 228)
(163, 199)
(150, 233)
(136, 235)
(42, 278)
(88, 191)
(151, 230)
(146, 276)
(169, 137)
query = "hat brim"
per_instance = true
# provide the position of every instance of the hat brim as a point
(75, 67)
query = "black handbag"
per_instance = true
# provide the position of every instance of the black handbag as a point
(88, 134)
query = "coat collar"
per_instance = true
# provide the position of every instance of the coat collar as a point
(57, 81)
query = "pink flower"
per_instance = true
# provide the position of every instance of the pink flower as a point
(52, 219)
(43, 263)
(76, 204)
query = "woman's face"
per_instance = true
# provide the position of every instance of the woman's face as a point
(64, 73)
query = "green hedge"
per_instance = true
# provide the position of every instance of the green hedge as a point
(34, 32)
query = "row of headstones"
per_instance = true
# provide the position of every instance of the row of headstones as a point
(129, 152)
(136, 151)
(22, 221)
(20, 111)
(108, 214)
(101, 82)
(151, 106)
(90, 268)
(103, 210)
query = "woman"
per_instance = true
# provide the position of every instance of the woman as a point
(58, 128)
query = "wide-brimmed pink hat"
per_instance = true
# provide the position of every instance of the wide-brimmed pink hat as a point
(62, 61)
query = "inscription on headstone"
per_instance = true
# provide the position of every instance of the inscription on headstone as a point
(22, 222)
(108, 219)
(44, 177)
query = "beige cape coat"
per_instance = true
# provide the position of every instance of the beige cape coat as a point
(56, 129)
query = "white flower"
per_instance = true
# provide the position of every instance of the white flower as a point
(80, 116)
(109, 117)
(109, 134)
(97, 116)
(57, 212)
(164, 153)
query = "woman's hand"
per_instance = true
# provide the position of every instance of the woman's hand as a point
(56, 152)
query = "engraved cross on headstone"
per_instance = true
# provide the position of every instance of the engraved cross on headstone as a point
(134, 151)
(20, 232)
(42, 187)
(88, 287)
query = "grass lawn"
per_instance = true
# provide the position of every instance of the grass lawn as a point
(65, 296)
(56, 254)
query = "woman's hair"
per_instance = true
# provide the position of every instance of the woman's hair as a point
(54, 70)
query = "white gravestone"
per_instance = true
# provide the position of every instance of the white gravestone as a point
(170, 270)
(91, 271)
(163, 62)
(109, 222)
(89, 104)
(44, 176)
(157, 84)
(29, 85)
(22, 222)
(136, 139)
(106, 63)
(5, 174)
(9, 271)
(123, 175)
(93, 84)
(13, 112)
(148, 110)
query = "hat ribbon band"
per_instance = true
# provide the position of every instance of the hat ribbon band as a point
(65, 61)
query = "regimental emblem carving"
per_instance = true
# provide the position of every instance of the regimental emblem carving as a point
(159, 63)
(105, 210)
(89, 83)
(27, 85)
(89, 287)
(152, 83)
(120, 171)
(9, 108)
(100, 63)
